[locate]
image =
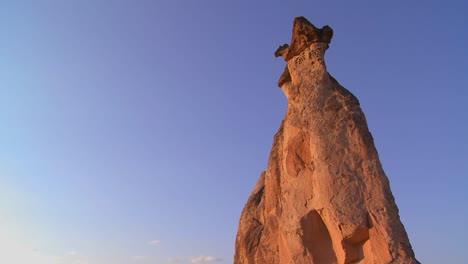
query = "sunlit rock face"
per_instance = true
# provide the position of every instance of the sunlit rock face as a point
(324, 197)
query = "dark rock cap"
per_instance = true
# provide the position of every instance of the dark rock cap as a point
(304, 34)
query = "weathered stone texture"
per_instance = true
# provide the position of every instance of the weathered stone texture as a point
(324, 197)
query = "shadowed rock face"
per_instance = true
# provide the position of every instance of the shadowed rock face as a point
(324, 197)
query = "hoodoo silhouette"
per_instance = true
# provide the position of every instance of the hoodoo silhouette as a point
(324, 197)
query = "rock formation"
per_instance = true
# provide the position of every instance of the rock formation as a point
(324, 197)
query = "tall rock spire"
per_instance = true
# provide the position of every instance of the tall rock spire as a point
(324, 197)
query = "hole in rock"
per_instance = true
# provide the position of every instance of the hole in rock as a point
(316, 238)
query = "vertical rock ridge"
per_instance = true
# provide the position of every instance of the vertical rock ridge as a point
(324, 197)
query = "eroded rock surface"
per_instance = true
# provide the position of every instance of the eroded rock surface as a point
(324, 197)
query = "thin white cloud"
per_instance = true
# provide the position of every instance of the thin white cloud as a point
(176, 260)
(154, 242)
(81, 261)
(205, 259)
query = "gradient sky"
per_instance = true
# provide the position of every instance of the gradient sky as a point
(134, 131)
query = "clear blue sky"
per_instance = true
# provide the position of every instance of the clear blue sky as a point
(125, 122)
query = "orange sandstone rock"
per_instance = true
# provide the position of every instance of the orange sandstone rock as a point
(324, 197)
